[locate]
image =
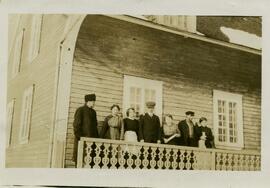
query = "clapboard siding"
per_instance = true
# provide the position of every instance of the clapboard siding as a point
(41, 72)
(107, 49)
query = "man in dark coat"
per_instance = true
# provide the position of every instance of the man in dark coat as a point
(149, 125)
(186, 128)
(85, 122)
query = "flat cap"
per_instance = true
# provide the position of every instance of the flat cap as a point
(90, 97)
(190, 113)
(150, 104)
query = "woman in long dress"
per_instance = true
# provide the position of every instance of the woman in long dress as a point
(170, 131)
(113, 124)
(131, 126)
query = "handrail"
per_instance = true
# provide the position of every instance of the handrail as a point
(253, 152)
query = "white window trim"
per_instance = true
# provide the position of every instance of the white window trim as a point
(132, 81)
(36, 26)
(23, 139)
(10, 115)
(232, 97)
(17, 54)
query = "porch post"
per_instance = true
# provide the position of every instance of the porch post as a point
(80, 154)
(213, 160)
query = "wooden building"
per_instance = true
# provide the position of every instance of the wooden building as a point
(56, 59)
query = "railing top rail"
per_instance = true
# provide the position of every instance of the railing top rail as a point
(108, 141)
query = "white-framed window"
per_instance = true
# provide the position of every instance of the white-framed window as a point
(35, 36)
(10, 113)
(137, 91)
(17, 54)
(26, 114)
(228, 120)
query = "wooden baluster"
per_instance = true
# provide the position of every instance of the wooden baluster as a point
(174, 162)
(153, 157)
(114, 153)
(97, 158)
(252, 163)
(198, 160)
(167, 162)
(218, 161)
(235, 161)
(242, 162)
(188, 158)
(138, 160)
(257, 162)
(160, 158)
(131, 151)
(123, 149)
(105, 158)
(224, 161)
(246, 162)
(229, 161)
(182, 158)
(88, 158)
(145, 161)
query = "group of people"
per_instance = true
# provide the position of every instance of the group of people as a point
(145, 128)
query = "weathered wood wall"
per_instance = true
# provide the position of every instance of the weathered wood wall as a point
(190, 69)
(41, 72)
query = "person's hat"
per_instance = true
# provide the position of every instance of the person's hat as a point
(150, 104)
(90, 97)
(190, 113)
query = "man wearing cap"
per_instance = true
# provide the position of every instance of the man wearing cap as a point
(149, 126)
(186, 128)
(85, 122)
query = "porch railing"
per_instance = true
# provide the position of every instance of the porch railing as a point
(115, 154)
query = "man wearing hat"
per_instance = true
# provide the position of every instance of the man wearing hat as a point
(186, 128)
(85, 122)
(149, 130)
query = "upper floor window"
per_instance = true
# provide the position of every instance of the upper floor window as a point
(26, 114)
(10, 113)
(137, 91)
(228, 120)
(35, 36)
(17, 54)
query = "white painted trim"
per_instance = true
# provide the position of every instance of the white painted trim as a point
(62, 93)
(26, 118)
(35, 37)
(227, 96)
(132, 81)
(10, 115)
(17, 55)
(184, 34)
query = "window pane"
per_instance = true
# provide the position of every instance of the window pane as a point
(222, 120)
(135, 98)
(232, 121)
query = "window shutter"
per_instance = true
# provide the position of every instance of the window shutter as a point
(26, 114)
(10, 113)
(17, 54)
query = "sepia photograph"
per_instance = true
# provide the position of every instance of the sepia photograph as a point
(176, 92)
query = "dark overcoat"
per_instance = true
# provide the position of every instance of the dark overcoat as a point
(209, 142)
(186, 140)
(85, 125)
(149, 128)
